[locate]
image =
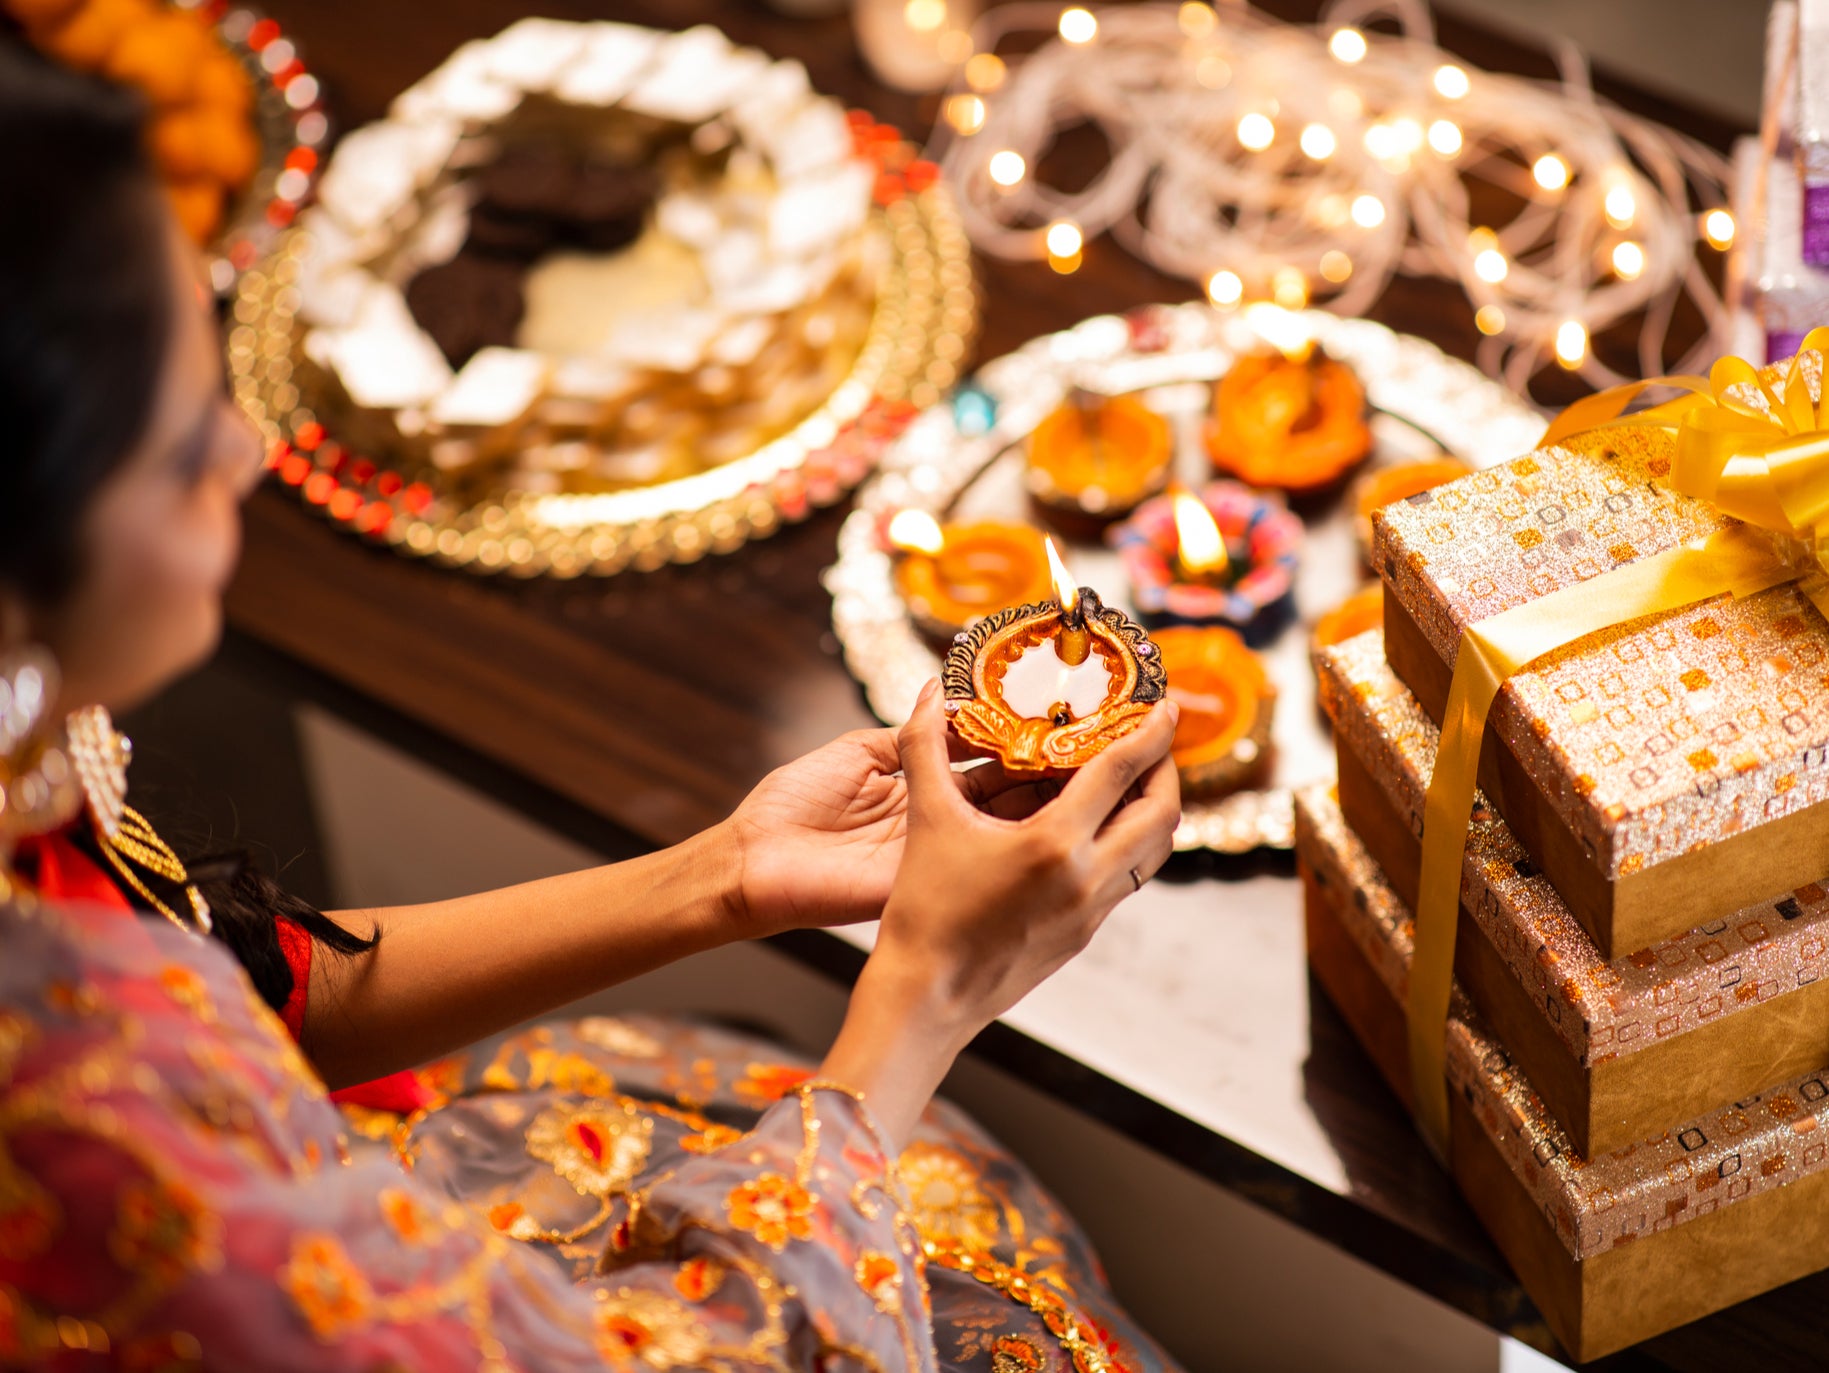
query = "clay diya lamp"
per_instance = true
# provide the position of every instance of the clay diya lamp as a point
(1096, 458)
(1289, 422)
(1389, 484)
(1224, 555)
(1222, 741)
(1046, 687)
(951, 576)
(1362, 610)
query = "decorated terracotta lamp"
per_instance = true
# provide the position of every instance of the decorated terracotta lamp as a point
(1225, 555)
(1291, 422)
(951, 576)
(1222, 741)
(1097, 457)
(1388, 484)
(1045, 687)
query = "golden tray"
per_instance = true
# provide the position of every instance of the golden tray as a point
(920, 330)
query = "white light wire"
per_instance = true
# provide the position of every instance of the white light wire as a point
(1181, 193)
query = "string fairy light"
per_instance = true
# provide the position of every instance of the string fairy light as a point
(1277, 162)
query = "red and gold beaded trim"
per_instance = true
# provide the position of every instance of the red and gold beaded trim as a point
(1080, 1342)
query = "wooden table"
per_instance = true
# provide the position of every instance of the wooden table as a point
(619, 704)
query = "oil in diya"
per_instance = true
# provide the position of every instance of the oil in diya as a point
(1222, 741)
(950, 576)
(1222, 555)
(1095, 458)
(1045, 687)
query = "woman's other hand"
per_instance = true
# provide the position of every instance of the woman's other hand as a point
(818, 842)
(983, 908)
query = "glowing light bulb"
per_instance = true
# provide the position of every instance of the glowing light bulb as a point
(1489, 319)
(1347, 45)
(1336, 266)
(1064, 238)
(1382, 142)
(1407, 134)
(1212, 71)
(1628, 260)
(1718, 228)
(965, 113)
(1620, 205)
(985, 72)
(1007, 168)
(1079, 25)
(1368, 211)
(1551, 172)
(1289, 288)
(1571, 342)
(1489, 265)
(1318, 141)
(1445, 137)
(1225, 289)
(924, 16)
(1451, 82)
(1197, 19)
(1256, 132)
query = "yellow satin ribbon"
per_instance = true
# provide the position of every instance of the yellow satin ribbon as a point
(1769, 471)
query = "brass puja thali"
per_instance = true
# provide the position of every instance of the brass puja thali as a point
(595, 297)
(1235, 642)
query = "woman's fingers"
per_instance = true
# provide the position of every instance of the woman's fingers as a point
(990, 779)
(1021, 801)
(1096, 789)
(1141, 837)
(922, 743)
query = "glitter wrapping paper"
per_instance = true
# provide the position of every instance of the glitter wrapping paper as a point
(1647, 741)
(1599, 1010)
(1746, 1150)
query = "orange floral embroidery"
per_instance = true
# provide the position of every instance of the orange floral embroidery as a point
(650, 1329)
(188, 989)
(773, 1208)
(405, 1216)
(881, 1280)
(710, 1139)
(1014, 1354)
(162, 1230)
(699, 1278)
(328, 1289)
(764, 1082)
(567, 1073)
(598, 1148)
(511, 1218)
(945, 1200)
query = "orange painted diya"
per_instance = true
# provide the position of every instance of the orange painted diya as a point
(1046, 687)
(1289, 423)
(1099, 456)
(1222, 740)
(1362, 610)
(1388, 484)
(950, 576)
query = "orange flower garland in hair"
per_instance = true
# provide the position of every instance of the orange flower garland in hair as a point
(199, 132)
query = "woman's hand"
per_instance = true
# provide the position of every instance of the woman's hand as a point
(818, 842)
(983, 908)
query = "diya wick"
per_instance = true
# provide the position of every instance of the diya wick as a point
(1045, 687)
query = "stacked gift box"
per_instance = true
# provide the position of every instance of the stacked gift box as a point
(1637, 1045)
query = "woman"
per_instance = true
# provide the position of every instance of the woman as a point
(175, 1192)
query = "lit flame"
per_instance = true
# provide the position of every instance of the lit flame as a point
(1288, 333)
(916, 531)
(1199, 547)
(1066, 591)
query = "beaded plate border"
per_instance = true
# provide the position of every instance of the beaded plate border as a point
(921, 327)
(292, 126)
(940, 455)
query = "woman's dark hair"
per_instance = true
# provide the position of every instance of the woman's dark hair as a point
(85, 316)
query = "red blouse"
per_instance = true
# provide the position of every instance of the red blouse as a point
(62, 871)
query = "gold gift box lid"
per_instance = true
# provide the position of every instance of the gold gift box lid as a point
(1649, 740)
(1599, 1009)
(1748, 1149)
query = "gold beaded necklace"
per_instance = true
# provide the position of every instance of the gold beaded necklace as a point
(127, 840)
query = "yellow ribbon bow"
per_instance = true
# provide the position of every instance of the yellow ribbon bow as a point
(1769, 471)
